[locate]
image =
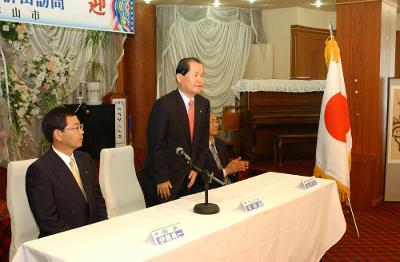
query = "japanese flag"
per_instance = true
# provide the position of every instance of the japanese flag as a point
(333, 154)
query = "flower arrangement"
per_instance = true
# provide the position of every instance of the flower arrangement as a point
(24, 101)
(16, 35)
(46, 86)
(50, 74)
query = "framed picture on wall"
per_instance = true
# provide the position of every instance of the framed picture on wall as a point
(393, 131)
(392, 175)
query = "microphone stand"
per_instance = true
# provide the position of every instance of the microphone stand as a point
(205, 208)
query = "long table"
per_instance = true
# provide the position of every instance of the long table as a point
(295, 224)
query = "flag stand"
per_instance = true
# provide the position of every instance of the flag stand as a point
(354, 218)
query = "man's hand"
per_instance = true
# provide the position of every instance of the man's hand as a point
(236, 165)
(192, 177)
(163, 189)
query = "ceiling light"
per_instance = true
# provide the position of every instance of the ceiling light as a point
(216, 3)
(252, 1)
(317, 3)
(147, 1)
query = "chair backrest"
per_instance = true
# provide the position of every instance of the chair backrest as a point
(118, 181)
(231, 125)
(230, 118)
(23, 225)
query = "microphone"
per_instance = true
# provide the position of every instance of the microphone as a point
(202, 208)
(180, 152)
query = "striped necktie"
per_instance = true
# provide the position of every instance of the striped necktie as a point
(214, 152)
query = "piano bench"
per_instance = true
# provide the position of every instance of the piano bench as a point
(281, 139)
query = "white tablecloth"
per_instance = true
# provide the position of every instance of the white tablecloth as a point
(295, 224)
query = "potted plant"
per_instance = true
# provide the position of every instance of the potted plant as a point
(94, 69)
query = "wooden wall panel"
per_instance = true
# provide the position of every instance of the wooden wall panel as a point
(139, 70)
(307, 58)
(397, 69)
(364, 30)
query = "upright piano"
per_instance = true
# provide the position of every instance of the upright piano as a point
(271, 107)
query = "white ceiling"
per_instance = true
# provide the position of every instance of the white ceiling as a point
(327, 5)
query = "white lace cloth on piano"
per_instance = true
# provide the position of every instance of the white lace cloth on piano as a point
(278, 85)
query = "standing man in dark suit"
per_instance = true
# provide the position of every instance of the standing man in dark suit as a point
(178, 119)
(217, 160)
(61, 186)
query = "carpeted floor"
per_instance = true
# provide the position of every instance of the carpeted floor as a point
(5, 230)
(379, 226)
(379, 240)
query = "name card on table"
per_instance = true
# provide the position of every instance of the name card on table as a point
(167, 234)
(309, 182)
(252, 203)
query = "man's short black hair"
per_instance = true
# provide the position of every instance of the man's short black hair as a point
(55, 119)
(183, 66)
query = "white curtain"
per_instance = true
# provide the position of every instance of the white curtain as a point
(219, 37)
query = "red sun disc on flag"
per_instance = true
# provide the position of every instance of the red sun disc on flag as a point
(336, 116)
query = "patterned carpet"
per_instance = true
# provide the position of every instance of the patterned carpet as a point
(379, 226)
(5, 230)
(379, 236)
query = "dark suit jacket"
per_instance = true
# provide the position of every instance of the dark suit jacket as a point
(54, 197)
(168, 128)
(212, 166)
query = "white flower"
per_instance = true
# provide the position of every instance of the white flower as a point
(63, 80)
(41, 76)
(35, 111)
(24, 96)
(20, 113)
(5, 28)
(56, 78)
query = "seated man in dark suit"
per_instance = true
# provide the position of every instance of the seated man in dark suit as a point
(217, 160)
(62, 186)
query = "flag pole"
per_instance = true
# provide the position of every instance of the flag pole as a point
(330, 30)
(348, 199)
(354, 218)
(332, 52)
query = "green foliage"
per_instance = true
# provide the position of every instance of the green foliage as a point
(8, 31)
(95, 41)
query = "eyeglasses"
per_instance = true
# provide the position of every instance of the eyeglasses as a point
(215, 122)
(78, 128)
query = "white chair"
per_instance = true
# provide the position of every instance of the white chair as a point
(23, 225)
(118, 181)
